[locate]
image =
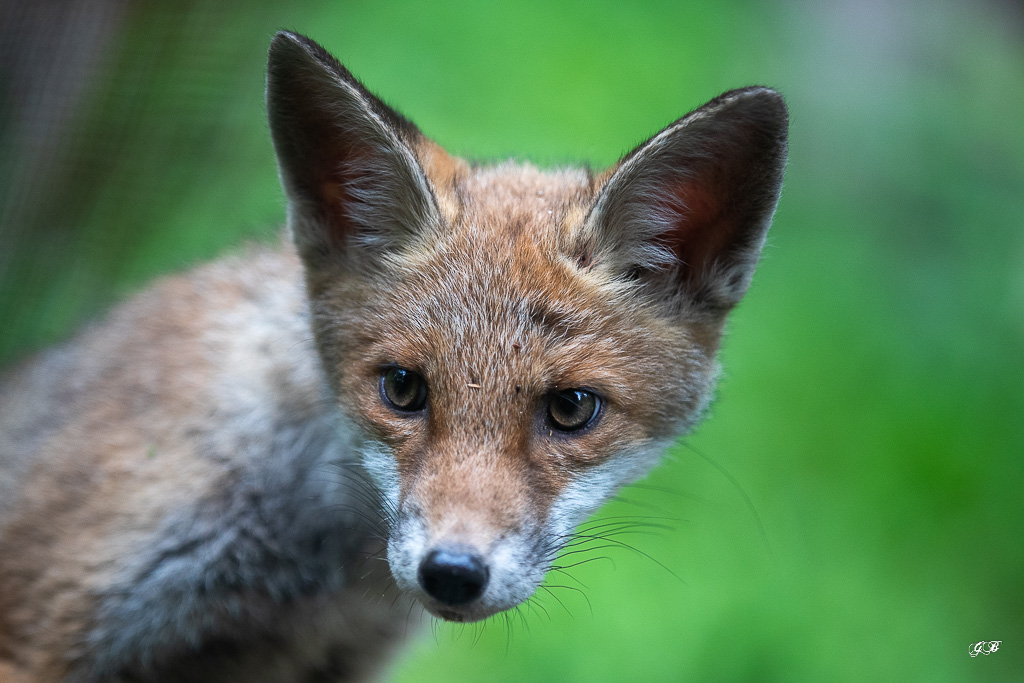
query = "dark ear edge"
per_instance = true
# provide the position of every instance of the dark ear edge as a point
(345, 157)
(282, 47)
(688, 210)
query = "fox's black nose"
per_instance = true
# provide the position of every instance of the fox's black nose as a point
(452, 576)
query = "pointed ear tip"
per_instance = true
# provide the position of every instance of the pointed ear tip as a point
(760, 104)
(293, 56)
(284, 40)
(284, 47)
(287, 45)
(759, 97)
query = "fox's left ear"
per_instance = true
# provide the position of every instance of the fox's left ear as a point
(356, 190)
(689, 209)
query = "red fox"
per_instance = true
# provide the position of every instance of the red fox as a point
(446, 365)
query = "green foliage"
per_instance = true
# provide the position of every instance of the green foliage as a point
(873, 393)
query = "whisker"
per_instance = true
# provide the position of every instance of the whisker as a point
(587, 550)
(648, 556)
(743, 492)
(508, 632)
(643, 505)
(478, 632)
(535, 602)
(570, 577)
(589, 559)
(586, 598)
(550, 592)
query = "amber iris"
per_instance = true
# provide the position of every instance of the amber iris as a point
(573, 409)
(403, 390)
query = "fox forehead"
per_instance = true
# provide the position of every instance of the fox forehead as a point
(489, 196)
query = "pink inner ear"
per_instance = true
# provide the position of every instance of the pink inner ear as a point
(339, 172)
(701, 229)
(334, 197)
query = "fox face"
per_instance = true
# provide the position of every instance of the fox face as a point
(512, 345)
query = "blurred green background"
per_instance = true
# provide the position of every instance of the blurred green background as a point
(872, 408)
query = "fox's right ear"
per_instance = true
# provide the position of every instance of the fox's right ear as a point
(345, 158)
(689, 209)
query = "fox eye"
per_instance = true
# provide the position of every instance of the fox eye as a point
(573, 409)
(403, 389)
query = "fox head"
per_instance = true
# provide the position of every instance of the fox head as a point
(513, 345)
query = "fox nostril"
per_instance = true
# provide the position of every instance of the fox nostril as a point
(453, 577)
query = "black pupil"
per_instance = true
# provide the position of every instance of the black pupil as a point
(572, 409)
(404, 389)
